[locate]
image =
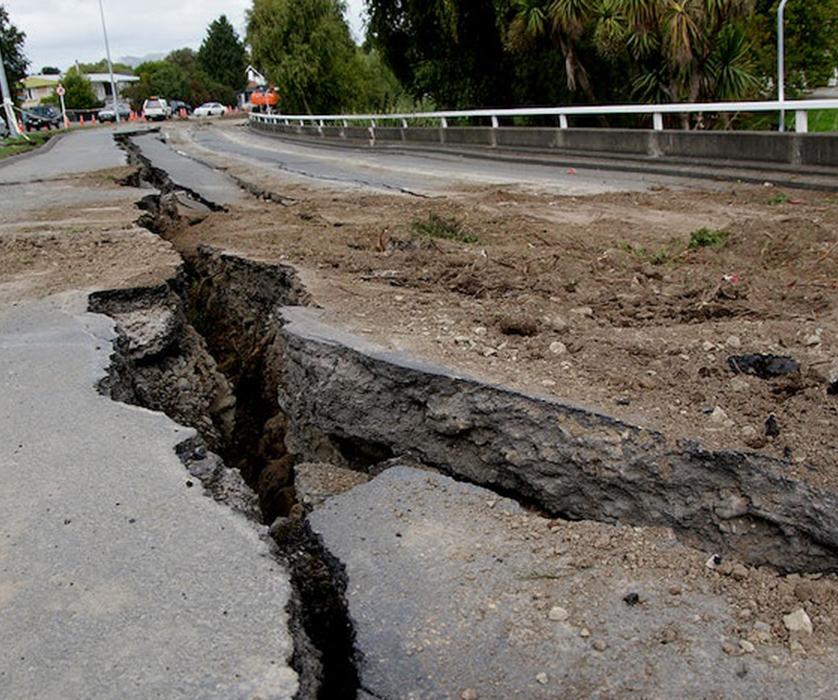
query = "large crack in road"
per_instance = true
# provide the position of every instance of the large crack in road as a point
(233, 348)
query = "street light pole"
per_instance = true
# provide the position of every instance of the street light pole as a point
(110, 63)
(781, 61)
(6, 95)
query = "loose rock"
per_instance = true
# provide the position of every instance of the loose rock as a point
(558, 614)
(798, 621)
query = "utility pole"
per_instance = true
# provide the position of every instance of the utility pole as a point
(781, 61)
(110, 63)
(6, 94)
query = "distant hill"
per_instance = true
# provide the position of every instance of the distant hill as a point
(134, 61)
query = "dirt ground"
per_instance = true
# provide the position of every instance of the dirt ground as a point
(76, 233)
(598, 300)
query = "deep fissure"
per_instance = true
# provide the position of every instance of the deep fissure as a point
(215, 317)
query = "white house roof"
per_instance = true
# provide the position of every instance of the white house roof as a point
(106, 78)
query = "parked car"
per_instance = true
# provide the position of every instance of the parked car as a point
(42, 117)
(106, 114)
(155, 109)
(211, 109)
(177, 105)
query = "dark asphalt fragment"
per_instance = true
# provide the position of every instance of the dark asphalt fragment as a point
(763, 366)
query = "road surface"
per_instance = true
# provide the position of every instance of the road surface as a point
(119, 578)
(412, 173)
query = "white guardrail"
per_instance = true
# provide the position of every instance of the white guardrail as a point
(801, 109)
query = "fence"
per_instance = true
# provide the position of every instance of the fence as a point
(800, 109)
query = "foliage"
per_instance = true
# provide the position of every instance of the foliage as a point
(378, 88)
(505, 52)
(658, 256)
(79, 93)
(102, 67)
(11, 45)
(811, 39)
(708, 238)
(448, 50)
(304, 47)
(177, 77)
(157, 78)
(436, 226)
(222, 55)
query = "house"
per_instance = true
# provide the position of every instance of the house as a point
(102, 84)
(37, 87)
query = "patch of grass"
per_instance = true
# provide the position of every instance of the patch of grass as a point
(821, 120)
(708, 238)
(655, 257)
(779, 198)
(436, 226)
(12, 147)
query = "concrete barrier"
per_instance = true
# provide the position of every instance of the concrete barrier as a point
(796, 149)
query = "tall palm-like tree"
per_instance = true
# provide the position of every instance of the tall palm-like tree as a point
(563, 21)
(683, 50)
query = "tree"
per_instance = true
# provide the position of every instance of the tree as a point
(563, 20)
(305, 48)
(11, 46)
(811, 39)
(50, 70)
(102, 67)
(160, 78)
(448, 50)
(79, 92)
(222, 55)
(378, 88)
(177, 77)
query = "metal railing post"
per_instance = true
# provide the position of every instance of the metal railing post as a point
(563, 121)
(443, 122)
(781, 61)
(494, 121)
(657, 121)
(801, 121)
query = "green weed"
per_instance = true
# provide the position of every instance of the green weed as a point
(436, 226)
(708, 238)
(655, 257)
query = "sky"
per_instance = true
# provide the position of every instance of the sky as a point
(59, 32)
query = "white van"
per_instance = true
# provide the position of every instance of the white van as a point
(155, 109)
